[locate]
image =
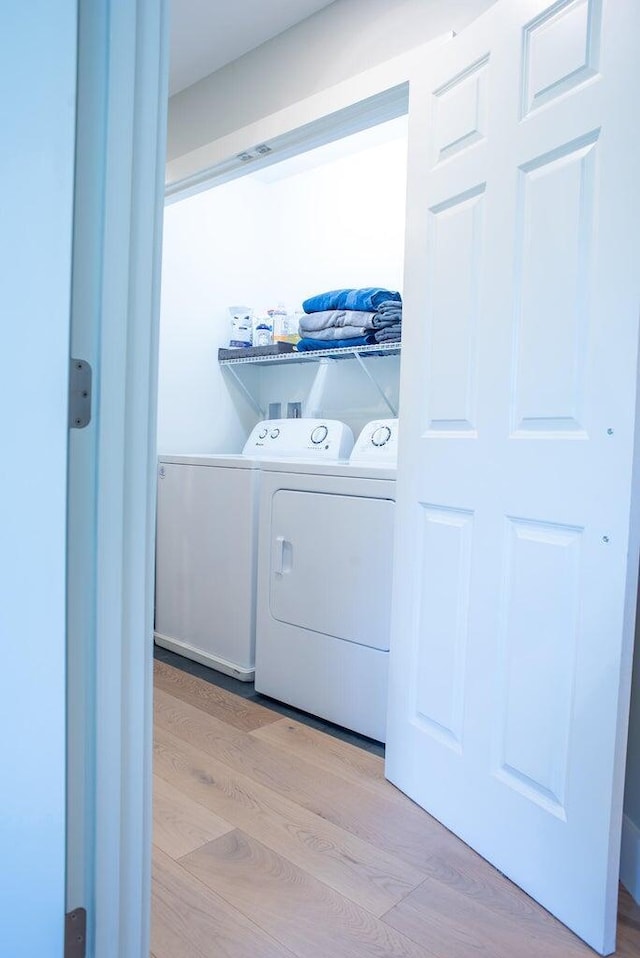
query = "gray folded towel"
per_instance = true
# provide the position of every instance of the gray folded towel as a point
(389, 334)
(312, 322)
(389, 306)
(332, 333)
(379, 322)
(387, 314)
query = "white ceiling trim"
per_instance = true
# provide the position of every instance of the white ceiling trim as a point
(194, 169)
(359, 116)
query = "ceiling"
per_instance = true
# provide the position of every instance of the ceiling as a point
(208, 34)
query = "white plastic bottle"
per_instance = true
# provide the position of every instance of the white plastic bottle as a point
(263, 331)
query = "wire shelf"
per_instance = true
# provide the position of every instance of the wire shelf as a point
(310, 356)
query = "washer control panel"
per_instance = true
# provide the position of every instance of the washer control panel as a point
(326, 439)
(377, 443)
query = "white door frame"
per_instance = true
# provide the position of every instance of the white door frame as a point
(123, 71)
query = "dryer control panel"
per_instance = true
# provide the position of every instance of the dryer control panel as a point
(377, 444)
(324, 439)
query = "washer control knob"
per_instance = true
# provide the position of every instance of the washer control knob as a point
(381, 436)
(275, 433)
(319, 434)
(262, 434)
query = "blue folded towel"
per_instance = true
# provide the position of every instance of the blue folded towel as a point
(367, 299)
(307, 345)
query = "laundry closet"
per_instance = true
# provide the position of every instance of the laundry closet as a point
(317, 616)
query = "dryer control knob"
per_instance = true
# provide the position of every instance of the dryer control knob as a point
(275, 433)
(262, 434)
(381, 435)
(319, 434)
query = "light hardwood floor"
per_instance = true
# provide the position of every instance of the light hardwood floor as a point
(275, 840)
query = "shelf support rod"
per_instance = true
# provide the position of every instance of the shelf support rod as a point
(245, 392)
(375, 382)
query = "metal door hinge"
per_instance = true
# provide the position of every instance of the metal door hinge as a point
(79, 394)
(75, 933)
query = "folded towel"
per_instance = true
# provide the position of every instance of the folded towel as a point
(389, 306)
(367, 298)
(334, 333)
(312, 322)
(386, 314)
(307, 345)
(389, 334)
(379, 320)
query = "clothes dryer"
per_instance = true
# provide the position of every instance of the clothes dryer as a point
(324, 582)
(206, 546)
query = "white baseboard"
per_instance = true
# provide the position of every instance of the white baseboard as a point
(630, 857)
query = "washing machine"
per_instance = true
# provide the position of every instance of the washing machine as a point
(325, 549)
(206, 542)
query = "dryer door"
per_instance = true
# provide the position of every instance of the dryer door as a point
(331, 561)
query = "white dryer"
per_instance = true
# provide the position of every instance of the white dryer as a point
(324, 582)
(206, 545)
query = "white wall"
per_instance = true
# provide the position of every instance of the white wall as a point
(38, 59)
(340, 41)
(213, 257)
(632, 794)
(630, 858)
(330, 218)
(340, 214)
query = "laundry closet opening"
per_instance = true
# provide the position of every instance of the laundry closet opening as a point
(289, 561)
(509, 585)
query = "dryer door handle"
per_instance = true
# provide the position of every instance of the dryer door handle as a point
(284, 556)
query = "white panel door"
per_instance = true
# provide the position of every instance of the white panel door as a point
(516, 553)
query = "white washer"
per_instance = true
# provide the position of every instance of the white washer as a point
(206, 550)
(324, 582)
(206, 560)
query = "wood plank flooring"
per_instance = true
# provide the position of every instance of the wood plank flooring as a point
(275, 840)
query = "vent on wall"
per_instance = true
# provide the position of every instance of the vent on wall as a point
(247, 155)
